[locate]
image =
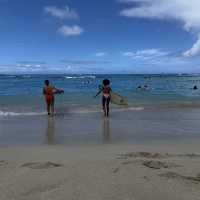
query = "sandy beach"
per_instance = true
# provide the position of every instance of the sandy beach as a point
(128, 172)
(141, 152)
(100, 100)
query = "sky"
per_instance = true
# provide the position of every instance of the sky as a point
(99, 36)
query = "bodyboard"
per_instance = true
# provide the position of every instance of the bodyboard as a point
(118, 99)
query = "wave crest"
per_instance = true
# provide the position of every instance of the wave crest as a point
(7, 113)
(80, 77)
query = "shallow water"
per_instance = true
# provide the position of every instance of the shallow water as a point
(169, 110)
(23, 93)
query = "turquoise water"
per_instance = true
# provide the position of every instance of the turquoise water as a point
(23, 93)
(168, 111)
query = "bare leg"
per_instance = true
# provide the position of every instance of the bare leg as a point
(104, 105)
(48, 108)
(52, 108)
(107, 106)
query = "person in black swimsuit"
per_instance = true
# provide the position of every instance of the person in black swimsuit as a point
(105, 90)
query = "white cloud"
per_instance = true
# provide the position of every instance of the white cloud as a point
(61, 13)
(195, 50)
(29, 66)
(147, 54)
(155, 57)
(186, 11)
(68, 31)
(101, 54)
(84, 62)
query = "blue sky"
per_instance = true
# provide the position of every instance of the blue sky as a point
(99, 36)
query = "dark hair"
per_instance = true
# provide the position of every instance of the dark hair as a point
(46, 82)
(195, 87)
(106, 82)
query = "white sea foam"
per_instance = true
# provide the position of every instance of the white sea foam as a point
(78, 110)
(84, 111)
(7, 113)
(128, 109)
(96, 110)
(135, 108)
(80, 77)
(69, 77)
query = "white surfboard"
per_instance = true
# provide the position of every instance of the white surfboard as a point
(118, 99)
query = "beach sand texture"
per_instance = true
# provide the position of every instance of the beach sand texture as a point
(118, 172)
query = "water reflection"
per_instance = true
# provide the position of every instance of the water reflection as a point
(106, 130)
(55, 132)
(50, 130)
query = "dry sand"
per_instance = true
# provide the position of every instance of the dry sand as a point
(104, 172)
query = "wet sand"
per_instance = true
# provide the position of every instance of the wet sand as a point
(123, 127)
(99, 172)
(136, 155)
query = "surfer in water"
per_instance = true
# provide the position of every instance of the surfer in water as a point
(48, 92)
(105, 89)
(195, 87)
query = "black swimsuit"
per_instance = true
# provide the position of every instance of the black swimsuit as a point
(106, 98)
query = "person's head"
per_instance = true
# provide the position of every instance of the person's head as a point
(46, 82)
(195, 87)
(106, 82)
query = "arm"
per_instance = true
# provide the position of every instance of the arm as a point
(56, 90)
(100, 90)
(98, 93)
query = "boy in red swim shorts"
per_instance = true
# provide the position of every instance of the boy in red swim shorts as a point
(49, 92)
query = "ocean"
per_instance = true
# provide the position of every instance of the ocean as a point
(169, 109)
(22, 94)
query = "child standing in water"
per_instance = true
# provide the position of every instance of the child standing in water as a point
(105, 90)
(49, 92)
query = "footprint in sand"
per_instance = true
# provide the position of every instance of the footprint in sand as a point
(3, 162)
(174, 175)
(153, 164)
(149, 155)
(41, 165)
(189, 155)
(142, 155)
(129, 162)
(116, 170)
(159, 165)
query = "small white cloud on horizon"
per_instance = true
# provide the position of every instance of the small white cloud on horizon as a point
(84, 62)
(101, 54)
(186, 11)
(68, 31)
(155, 57)
(146, 54)
(29, 66)
(61, 13)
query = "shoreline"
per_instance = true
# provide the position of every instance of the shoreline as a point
(130, 127)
